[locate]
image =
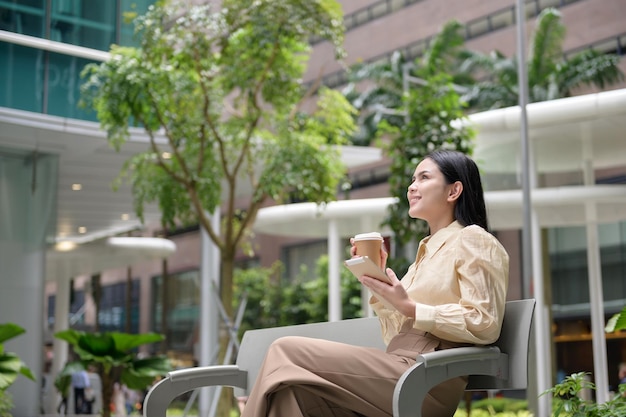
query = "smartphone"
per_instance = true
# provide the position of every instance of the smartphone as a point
(363, 265)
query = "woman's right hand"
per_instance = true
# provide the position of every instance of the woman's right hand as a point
(383, 253)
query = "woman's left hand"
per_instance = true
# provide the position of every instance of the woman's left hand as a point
(394, 292)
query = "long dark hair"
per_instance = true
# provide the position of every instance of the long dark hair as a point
(456, 166)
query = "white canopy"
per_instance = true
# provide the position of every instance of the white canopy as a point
(110, 253)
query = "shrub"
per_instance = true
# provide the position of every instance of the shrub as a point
(568, 402)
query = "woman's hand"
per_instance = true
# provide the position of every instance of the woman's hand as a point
(383, 253)
(393, 293)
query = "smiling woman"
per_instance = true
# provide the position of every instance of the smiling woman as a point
(452, 295)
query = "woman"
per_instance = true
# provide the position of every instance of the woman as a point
(452, 295)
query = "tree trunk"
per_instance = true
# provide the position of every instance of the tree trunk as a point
(226, 403)
(226, 281)
(107, 392)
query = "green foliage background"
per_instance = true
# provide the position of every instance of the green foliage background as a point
(273, 301)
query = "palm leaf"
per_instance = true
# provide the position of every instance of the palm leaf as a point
(124, 342)
(443, 50)
(142, 372)
(489, 95)
(546, 46)
(589, 67)
(71, 336)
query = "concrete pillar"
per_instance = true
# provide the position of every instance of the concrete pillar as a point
(27, 204)
(334, 279)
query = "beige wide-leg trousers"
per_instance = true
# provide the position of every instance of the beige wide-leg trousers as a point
(304, 377)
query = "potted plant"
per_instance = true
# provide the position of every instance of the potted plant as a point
(113, 356)
(11, 366)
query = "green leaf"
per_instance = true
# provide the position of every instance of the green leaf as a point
(25, 370)
(9, 331)
(98, 344)
(124, 342)
(617, 322)
(10, 366)
(154, 366)
(71, 368)
(71, 336)
(546, 46)
(143, 372)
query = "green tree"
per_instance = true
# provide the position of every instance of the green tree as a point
(387, 81)
(381, 101)
(272, 302)
(219, 94)
(11, 366)
(569, 403)
(550, 74)
(113, 355)
(313, 294)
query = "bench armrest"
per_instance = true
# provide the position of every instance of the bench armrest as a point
(435, 367)
(177, 382)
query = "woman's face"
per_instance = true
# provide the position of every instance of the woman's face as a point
(429, 193)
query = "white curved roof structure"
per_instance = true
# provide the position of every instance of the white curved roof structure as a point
(110, 253)
(564, 134)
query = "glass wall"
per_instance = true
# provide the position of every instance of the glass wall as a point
(113, 312)
(301, 260)
(35, 80)
(77, 310)
(21, 75)
(181, 309)
(27, 17)
(570, 296)
(90, 23)
(568, 259)
(129, 9)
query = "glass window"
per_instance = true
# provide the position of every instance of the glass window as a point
(90, 24)
(300, 257)
(21, 77)
(130, 10)
(182, 306)
(64, 83)
(25, 17)
(568, 264)
(112, 315)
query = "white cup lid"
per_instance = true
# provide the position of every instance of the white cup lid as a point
(368, 236)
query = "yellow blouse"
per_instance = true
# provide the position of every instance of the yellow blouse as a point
(459, 281)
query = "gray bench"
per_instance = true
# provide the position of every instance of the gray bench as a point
(501, 366)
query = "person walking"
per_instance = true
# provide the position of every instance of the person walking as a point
(80, 382)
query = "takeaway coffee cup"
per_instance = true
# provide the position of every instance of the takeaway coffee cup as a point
(369, 244)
